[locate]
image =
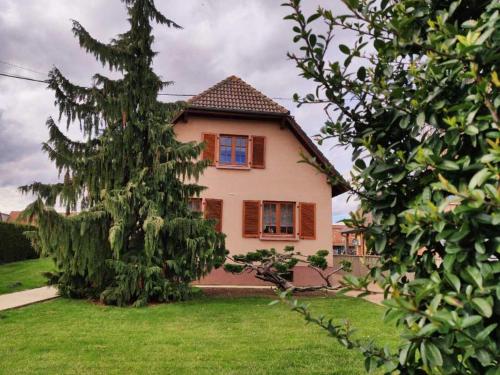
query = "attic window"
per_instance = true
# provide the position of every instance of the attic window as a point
(233, 150)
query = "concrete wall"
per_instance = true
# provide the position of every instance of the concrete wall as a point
(360, 265)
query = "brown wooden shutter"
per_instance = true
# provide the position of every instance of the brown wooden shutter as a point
(307, 221)
(213, 210)
(258, 152)
(209, 151)
(251, 218)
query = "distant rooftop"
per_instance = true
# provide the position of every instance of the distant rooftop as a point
(234, 94)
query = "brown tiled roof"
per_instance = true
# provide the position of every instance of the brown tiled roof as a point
(234, 94)
(15, 218)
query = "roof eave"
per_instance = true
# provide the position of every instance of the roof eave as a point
(197, 110)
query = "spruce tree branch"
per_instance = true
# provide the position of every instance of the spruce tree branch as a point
(111, 54)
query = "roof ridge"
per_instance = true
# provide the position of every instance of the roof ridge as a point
(260, 93)
(209, 89)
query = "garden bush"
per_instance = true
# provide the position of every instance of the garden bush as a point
(14, 245)
(415, 94)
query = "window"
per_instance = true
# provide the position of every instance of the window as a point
(338, 250)
(233, 150)
(194, 204)
(272, 220)
(278, 218)
(211, 209)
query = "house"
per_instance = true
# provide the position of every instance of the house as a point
(3, 217)
(347, 240)
(259, 194)
(15, 218)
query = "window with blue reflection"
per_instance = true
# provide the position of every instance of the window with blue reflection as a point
(233, 150)
(240, 153)
(225, 149)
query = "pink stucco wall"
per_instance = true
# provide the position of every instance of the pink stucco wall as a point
(283, 179)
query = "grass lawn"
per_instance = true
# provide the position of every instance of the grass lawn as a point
(205, 336)
(26, 274)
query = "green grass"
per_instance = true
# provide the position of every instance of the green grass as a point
(203, 336)
(23, 275)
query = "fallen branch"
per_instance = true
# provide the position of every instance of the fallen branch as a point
(272, 267)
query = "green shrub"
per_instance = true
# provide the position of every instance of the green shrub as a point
(415, 93)
(14, 245)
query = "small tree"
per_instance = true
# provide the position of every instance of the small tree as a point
(275, 267)
(135, 239)
(421, 113)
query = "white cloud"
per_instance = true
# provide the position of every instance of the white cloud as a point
(343, 205)
(12, 200)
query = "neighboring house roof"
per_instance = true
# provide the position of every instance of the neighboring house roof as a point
(4, 217)
(235, 98)
(337, 238)
(338, 234)
(14, 217)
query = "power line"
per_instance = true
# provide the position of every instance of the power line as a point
(21, 77)
(21, 67)
(161, 93)
(169, 94)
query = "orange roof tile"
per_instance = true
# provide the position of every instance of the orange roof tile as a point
(235, 95)
(15, 218)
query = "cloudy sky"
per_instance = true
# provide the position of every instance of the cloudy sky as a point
(247, 38)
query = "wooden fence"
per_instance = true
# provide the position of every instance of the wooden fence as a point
(359, 263)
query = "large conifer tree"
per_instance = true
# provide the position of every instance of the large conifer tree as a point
(135, 239)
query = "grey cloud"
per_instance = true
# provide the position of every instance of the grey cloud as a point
(14, 144)
(220, 38)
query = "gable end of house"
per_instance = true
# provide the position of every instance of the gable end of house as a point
(234, 98)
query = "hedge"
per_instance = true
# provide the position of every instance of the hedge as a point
(14, 245)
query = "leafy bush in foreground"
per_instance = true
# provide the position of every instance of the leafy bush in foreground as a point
(416, 95)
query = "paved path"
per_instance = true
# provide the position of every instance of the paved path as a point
(27, 297)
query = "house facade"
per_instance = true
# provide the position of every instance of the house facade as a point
(347, 240)
(258, 193)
